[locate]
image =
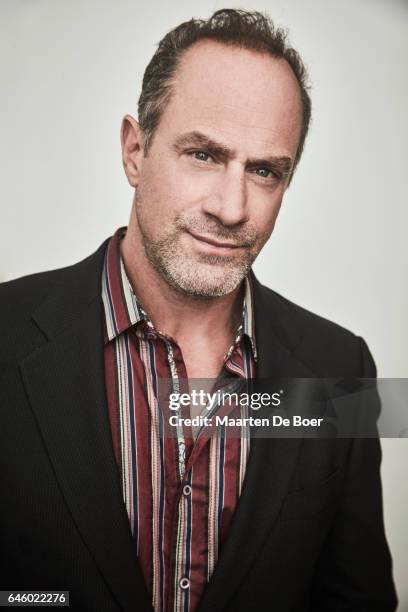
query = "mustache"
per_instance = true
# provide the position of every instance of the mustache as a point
(246, 235)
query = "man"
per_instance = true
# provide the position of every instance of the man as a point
(95, 500)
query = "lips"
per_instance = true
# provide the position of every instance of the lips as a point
(216, 243)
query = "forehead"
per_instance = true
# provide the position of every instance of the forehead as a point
(250, 99)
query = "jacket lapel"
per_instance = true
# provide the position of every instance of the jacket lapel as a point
(271, 461)
(65, 383)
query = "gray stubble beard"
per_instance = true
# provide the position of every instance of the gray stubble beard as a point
(183, 273)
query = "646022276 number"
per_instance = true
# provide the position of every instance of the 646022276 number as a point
(34, 598)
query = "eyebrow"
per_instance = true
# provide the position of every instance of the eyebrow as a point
(281, 164)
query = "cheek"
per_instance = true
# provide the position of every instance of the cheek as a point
(154, 199)
(265, 217)
(168, 191)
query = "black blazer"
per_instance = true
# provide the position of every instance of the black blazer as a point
(308, 530)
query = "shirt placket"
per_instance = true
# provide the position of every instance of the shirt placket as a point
(188, 451)
(183, 517)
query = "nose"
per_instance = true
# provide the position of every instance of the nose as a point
(228, 202)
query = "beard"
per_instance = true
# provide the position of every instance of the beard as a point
(199, 275)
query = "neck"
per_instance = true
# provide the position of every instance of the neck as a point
(173, 312)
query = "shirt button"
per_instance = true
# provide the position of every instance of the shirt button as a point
(184, 583)
(186, 490)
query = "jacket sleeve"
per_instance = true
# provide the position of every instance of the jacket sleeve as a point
(354, 572)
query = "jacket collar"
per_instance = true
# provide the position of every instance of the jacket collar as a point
(78, 287)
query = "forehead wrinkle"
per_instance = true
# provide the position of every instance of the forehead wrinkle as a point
(253, 119)
(264, 135)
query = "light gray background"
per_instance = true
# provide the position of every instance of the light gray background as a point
(71, 70)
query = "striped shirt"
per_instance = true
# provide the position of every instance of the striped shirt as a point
(181, 490)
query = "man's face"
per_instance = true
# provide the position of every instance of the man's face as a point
(209, 191)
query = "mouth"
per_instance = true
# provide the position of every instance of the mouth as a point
(219, 245)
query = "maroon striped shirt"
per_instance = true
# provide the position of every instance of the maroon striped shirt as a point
(180, 491)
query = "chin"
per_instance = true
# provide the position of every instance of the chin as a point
(208, 284)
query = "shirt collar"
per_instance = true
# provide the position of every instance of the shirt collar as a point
(121, 306)
(122, 310)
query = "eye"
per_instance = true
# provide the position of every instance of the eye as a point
(263, 172)
(201, 155)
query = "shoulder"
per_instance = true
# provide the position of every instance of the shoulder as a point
(323, 345)
(21, 297)
(313, 326)
(18, 299)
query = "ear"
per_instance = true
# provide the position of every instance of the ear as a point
(131, 136)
